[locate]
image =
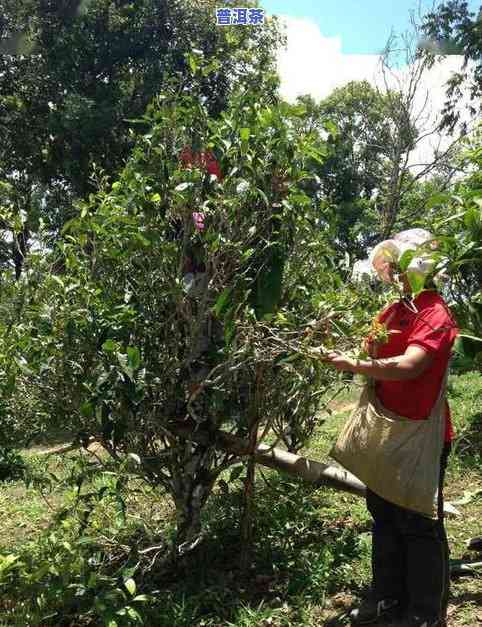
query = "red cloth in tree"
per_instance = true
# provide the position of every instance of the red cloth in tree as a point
(204, 160)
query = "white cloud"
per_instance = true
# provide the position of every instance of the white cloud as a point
(315, 64)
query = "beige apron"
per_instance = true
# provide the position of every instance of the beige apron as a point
(397, 458)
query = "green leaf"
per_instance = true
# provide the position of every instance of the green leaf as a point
(123, 362)
(182, 186)
(141, 598)
(58, 280)
(130, 585)
(87, 410)
(8, 562)
(437, 199)
(269, 284)
(22, 364)
(298, 111)
(300, 199)
(236, 472)
(143, 240)
(134, 614)
(456, 216)
(417, 282)
(266, 117)
(405, 259)
(67, 226)
(192, 63)
(281, 319)
(222, 302)
(317, 155)
(109, 346)
(229, 329)
(331, 127)
(245, 133)
(133, 357)
(263, 196)
(473, 220)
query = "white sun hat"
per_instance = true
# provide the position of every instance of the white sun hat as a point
(388, 253)
(383, 256)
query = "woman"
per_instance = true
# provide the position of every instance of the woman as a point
(410, 561)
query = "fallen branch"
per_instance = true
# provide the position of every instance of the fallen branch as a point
(309, 470)
(68, 448)
(460, 568)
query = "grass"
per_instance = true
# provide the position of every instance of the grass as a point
(464, 480)
(311, 548)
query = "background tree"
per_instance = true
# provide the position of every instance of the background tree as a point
(354, 168)
(450, 29)
(456, 216)
(369, 175)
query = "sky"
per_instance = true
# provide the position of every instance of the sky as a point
(363, 26)
(332, 43)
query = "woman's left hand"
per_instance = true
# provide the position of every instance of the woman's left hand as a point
(339, 361)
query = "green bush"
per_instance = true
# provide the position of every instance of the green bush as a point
(182, 300)
(12, 465)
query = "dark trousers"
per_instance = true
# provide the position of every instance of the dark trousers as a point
(410, 555)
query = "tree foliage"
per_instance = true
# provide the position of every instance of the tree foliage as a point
(365, 174)
(182, 300)
(450, 29)
(458, 224)
(78, 72)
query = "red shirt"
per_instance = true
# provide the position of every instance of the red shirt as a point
(434, 329)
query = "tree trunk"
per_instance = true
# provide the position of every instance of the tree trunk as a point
(19, 250)
(191, 488)
(249, 484)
